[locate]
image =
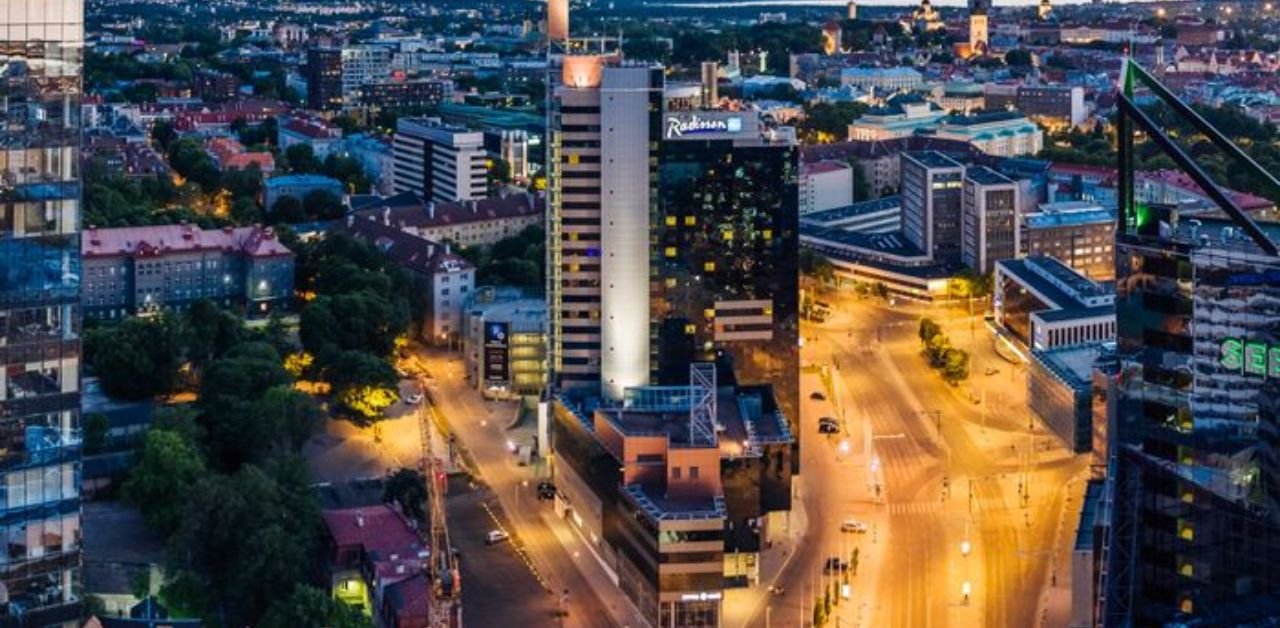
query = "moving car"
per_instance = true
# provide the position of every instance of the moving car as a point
(828, 425)
(817, 396)
(496, 536)
(834, 564)
(853, 525)
(546, 490)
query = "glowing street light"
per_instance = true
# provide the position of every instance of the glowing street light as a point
(966, 589)
(965, 547)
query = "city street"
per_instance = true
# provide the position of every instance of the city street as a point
(952, 477)
(554, 552)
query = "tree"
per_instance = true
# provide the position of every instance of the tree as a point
(137, 359)
(499, 174)
(309, 606)
(955, 367)
(935, 349)
(829, 122)
(358, 321)
(1018, 57)
(349, 171)
(292, 416)
(302, 159)
(322, 205)
(159, 483)
(817, 266)
(212, 332)
(288, 209)
(408, 488)
(362, 383)
(928, 329)
(163, 134)
(230, 391)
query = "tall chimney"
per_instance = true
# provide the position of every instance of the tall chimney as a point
(710, 86)
(558, 20)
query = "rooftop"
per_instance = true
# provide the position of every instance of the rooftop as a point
(406, 249)
(256, 241)
(1073, 364)
(665, 509)
(984, 118)
(821, 167)
(983, 175)
(410, 210)
(932, 159)
(379, 530)
(301, 179)
(1055, 282)
(1068, 214)
(829, 217)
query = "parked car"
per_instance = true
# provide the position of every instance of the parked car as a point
(834, 564)
(828, 425)
(496, 536)
(853, 525)
(414, 399)
(817, 396)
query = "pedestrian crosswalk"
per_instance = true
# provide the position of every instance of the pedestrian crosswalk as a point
(931, 506)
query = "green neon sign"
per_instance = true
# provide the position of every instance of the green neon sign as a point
(1250, 357)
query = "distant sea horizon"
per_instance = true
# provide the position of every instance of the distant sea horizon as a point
(737, 4)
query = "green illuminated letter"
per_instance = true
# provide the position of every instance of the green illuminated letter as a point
(1273, 362)
(1232, 353)
(1255, 358)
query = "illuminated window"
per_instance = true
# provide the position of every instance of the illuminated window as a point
(573, 159)
(1186, 606)
(709, 267)
(573, 268)
(727, 235)
(1187, 569)
(1186, 532)
(671, 221)
(691, 329)
(669, 251)
(709, 313)
(573, 236)
(1188, 497)
(767, 234)
(690, 221)
(670, 282)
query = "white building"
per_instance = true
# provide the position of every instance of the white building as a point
(884, 79)
(825, 185)
(437, 162)
(362, 65)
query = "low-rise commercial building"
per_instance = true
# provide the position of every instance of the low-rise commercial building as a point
(1044, 304)
(1060, 392)
(1080, 234)
(377, 564)
(884, 79)
(144, 270)
(676, 490)
(322, 137)
(505, 342)
(1055, 106)
(999, 133)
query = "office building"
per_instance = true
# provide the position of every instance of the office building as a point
(405, 94)
(40, 433)
(989, 216)
(675, 490)
(825, 185)
(1045, 304)
(144, 270)
(1080, 234)
(1061, 391)
(323, 74)
(505, 342)
(511, 146)
(1057, 107)
(932, 197)
(438, 162)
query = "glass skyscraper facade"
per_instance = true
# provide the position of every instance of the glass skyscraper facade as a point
(41, 45)
(1195, 522)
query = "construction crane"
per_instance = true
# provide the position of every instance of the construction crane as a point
(446, 582)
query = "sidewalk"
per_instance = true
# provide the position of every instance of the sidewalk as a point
(742, 607)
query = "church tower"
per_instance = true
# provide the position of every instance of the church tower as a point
(1045, 11)
(978, 38)
(853, 10)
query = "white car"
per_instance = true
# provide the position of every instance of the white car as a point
(414, 399)
(495, 536)
(853, 525)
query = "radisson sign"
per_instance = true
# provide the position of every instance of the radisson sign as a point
(680, 126)
(1250, 358)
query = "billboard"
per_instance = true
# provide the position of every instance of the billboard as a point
(496, 337)
(705, 125)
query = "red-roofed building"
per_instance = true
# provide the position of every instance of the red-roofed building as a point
(446, 278)
(140, 270)
(322, 137)
(229, 154)
(378, 563)
(462, 223)
(219, 118)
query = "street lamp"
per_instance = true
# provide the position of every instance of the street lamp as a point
(965, 547)
(966, 589)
